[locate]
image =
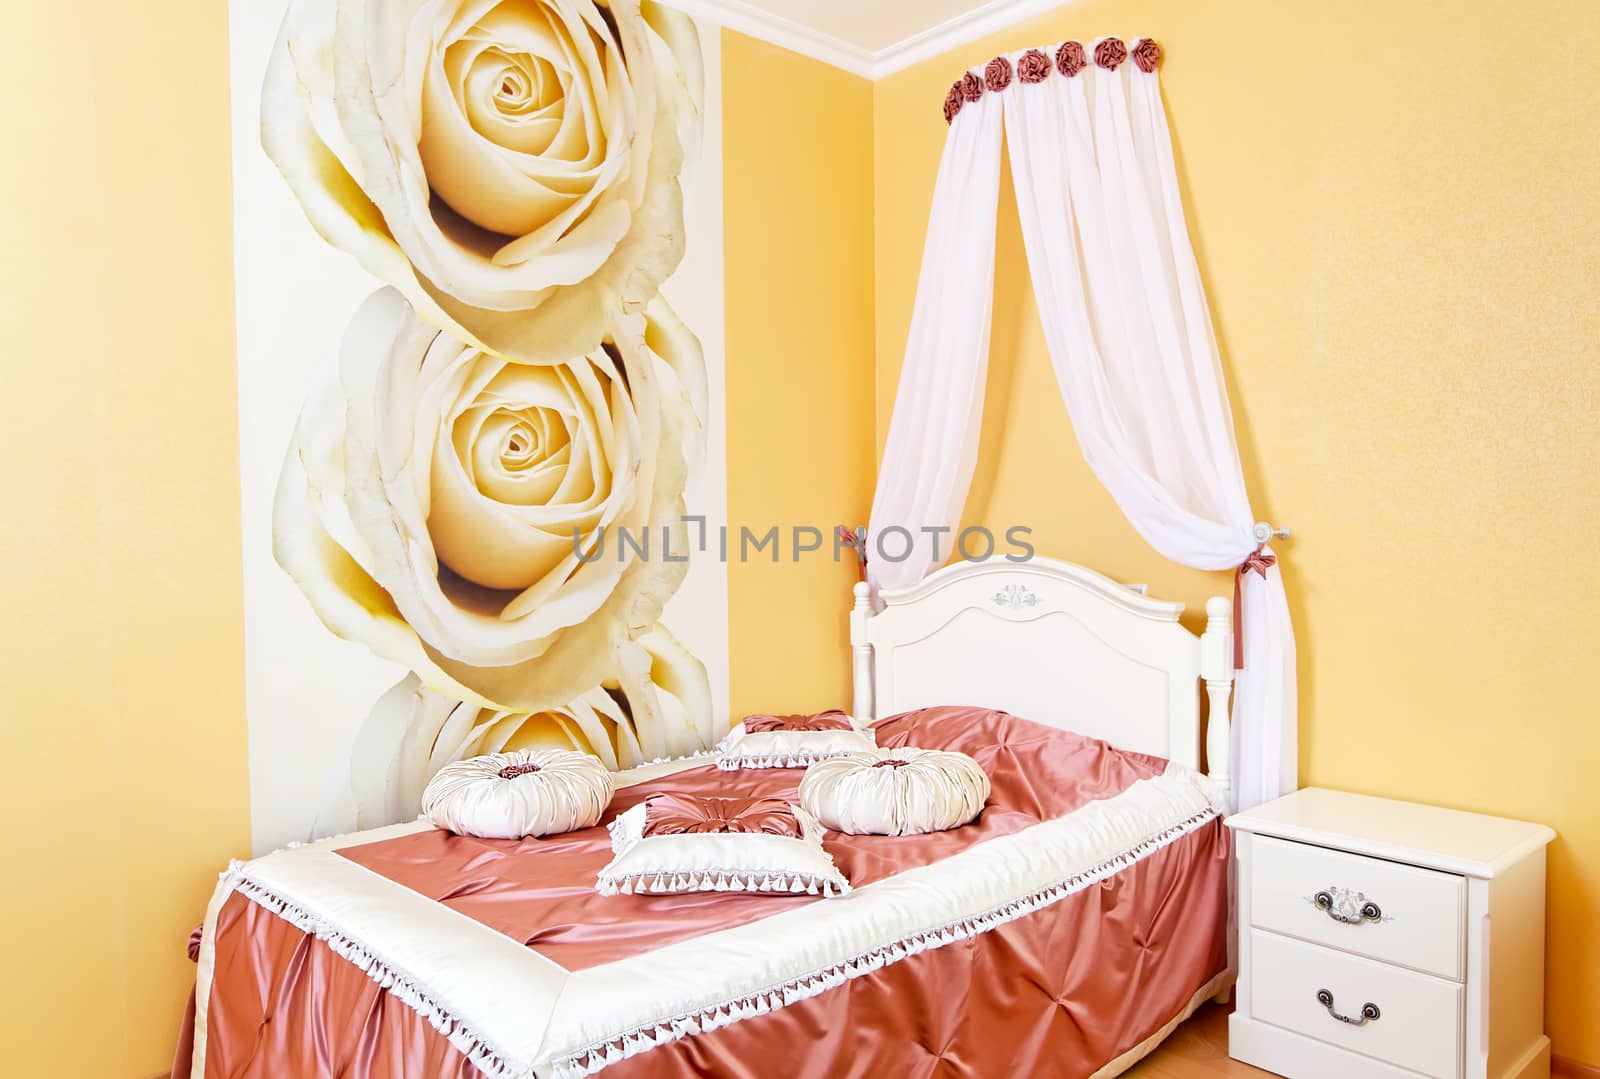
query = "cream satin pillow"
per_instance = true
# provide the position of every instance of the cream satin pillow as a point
(527, 792)
(768, 741)
(895, 791)
(669, 844)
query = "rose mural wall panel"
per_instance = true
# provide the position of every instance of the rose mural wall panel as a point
(479, 287)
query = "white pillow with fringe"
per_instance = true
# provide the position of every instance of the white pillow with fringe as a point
(672, 844)
(768, 741)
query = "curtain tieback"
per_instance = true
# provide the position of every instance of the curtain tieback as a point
(1258, 560)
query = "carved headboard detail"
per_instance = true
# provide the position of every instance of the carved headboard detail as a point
(1054, 643)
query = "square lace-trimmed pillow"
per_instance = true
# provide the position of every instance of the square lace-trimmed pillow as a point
(764, 741)
(670, 844)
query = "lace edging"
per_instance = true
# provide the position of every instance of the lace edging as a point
(777, 881)
(735, 762)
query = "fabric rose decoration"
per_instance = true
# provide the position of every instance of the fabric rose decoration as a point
(1147, 54)
(952, 103)
(436, 498)
(1070, 58)
(413, 732)
(971, 86)
(997, 76)
(511, 166)
(1110, 53)
(1033, 66)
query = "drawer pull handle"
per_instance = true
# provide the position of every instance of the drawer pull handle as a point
(1369, 1010)
(1343, 909)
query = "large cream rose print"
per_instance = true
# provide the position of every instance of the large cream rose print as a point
(412, 732)
(511, 166)
(436, 498)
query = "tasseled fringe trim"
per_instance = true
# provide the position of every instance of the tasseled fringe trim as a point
(601, 1055)
(779, 881)
(792, 760)
(696, 755)
(483, 1056)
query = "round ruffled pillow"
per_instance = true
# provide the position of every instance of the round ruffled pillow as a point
(527, 792)
(895, 791)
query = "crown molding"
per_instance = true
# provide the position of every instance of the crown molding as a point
(969, 26)
(964, 29)
(755, 22)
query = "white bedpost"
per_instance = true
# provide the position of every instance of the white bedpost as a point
(861, 655)
(1216, 667)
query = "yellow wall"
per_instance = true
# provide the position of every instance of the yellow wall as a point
(1394, 207)
(797, 216)
(121, 648)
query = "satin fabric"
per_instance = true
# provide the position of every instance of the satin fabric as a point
(541, 891)
(831, 720)
(1057, 992)
(677, 814)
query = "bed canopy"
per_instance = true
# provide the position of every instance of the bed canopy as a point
(1129, 336)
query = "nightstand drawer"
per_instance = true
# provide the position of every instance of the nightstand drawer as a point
(1413, 1021)
(1383, 910)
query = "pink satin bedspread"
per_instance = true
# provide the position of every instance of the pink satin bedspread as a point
(1058, 992)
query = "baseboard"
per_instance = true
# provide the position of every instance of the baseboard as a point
(1567, 1068)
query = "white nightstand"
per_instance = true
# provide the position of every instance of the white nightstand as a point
(1381, 938)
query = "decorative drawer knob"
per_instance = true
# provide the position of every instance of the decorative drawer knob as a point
(1369, 1010)
(1351, 908)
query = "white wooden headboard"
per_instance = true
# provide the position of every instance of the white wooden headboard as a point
(1051, 642)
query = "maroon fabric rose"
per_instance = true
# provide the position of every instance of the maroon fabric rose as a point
(952, 103)
(1033, 66)
(1070, 59)
(196, 935)
(971, 86)
(1110, 53)
(997, 76)
(1147, 54)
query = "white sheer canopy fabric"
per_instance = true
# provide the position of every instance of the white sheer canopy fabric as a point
(932, 446)
(1131, 342)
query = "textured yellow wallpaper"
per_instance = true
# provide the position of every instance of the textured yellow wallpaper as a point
(121, 649)
(797, 219)
(1394, 207)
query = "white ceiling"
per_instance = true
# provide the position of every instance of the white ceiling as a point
(869, 37)
(873, 24)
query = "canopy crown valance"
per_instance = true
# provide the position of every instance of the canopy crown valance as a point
(1032, 66)
(1129, 334)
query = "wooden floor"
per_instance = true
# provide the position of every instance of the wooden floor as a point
(1198, 1049)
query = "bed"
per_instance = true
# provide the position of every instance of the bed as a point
(1065, 932)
